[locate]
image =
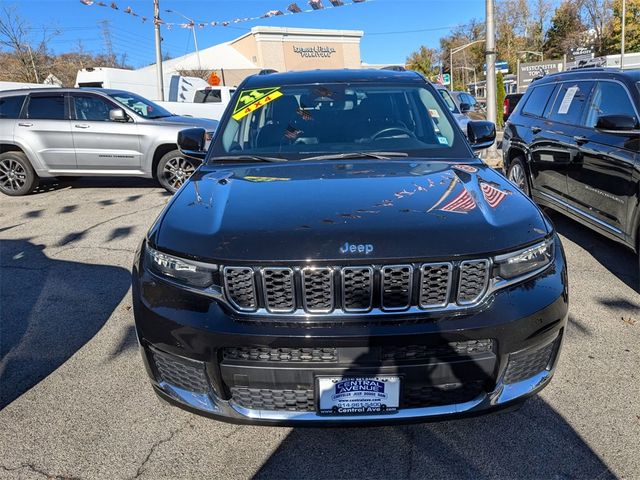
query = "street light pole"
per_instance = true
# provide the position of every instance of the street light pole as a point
(192, 23)
(491, 61)
(624, 21)
(456, 50)
(156, 22)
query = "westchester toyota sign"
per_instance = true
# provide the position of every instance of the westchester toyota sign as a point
(315, 51)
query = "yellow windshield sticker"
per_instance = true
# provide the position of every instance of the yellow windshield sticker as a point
(250, 100)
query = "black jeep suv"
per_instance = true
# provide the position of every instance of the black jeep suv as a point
(573, 144)
(342, 256)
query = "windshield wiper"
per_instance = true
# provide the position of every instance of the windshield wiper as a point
(254, 158)
(340, 156)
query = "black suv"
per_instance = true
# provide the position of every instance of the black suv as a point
(573, 144)
(342, 256)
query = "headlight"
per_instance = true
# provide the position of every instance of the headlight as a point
(524, 261)
(188, 272)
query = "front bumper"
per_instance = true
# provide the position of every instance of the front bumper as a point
(185, 340)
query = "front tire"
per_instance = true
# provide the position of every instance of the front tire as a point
(174, 169)
(517, 173)
(17, 176)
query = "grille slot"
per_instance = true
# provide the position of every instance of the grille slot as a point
(267, 354)
(317, 290)
(526, 364)
(357, 289)
(426, 352)
(181, 373)
(474, 278)
(397, 282)
(240, 287)
(415, 396)
(435, 282)
(269, 399)
(279, 295)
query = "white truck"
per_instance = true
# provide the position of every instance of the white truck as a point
(187, 96)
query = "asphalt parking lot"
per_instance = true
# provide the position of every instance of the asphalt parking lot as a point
(75, 401)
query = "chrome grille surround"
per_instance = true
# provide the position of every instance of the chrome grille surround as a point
(357, 289)
(396, 286)
(473, 281)
(317, 289)
(435, 284)
(278, 289)
(240, 285)
(372, 290)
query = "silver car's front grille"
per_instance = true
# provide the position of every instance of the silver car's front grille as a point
(322, 290)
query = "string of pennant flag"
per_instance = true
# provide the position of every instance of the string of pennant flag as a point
(292, 9)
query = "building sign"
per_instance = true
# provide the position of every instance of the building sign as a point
(317, 51)
(579, 54)
(501, 66)
(527, 72)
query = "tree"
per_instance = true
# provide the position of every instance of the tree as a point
(500, 96)
(471, 57)
(598, 15)
(424, 60)
(512, 29)
(566, 31)
(632, 24)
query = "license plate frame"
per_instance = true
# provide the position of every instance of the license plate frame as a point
(358, 395)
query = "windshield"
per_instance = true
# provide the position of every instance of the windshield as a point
(446, 96)
(302, 121)
(143, 107)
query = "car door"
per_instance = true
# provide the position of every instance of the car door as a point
(553, 147)
(101, 143)
(45, 128)
(600, 181)
(10, 108)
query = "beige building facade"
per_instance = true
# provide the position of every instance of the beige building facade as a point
(277, 48)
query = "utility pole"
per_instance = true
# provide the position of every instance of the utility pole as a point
(624, 21)
(107, 41)
(33, 64)
(491, 61)
(156, 22)
(192, 24)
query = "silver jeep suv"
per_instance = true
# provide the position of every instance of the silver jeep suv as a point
(88, 132)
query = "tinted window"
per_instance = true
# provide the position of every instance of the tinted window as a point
(140, 105)
(537, 100)
(207, 96)
(608, 98)
(446, 96)
(47, 107)
(91, 108)
(570, 102)
(10, 106)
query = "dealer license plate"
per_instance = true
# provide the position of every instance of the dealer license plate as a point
(362, 395)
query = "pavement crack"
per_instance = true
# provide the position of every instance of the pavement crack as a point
(155, 446)
(34, 469)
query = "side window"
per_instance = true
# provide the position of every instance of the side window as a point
(10, 106)
(49, 107)
(446, 96)
(208, 96)
(608, 98)
(571, 102)
(537, 100)
(91, 108)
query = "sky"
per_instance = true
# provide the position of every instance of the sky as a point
(392, 28)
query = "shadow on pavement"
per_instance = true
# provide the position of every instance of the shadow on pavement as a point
(50, 309)
(620, 261)
(534, 442)
(52, 184)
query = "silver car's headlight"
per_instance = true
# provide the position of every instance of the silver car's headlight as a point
(187, 272)
(527, 260)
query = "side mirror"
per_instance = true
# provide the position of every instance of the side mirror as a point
(192, 141)
(617, 123)
(465, 107)
(481, 134)
(118, 115)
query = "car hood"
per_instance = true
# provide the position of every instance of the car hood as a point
(411, 209)
(207, 124)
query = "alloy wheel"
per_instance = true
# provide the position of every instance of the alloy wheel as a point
(177, 170)
(13, 175)
(516, 175)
